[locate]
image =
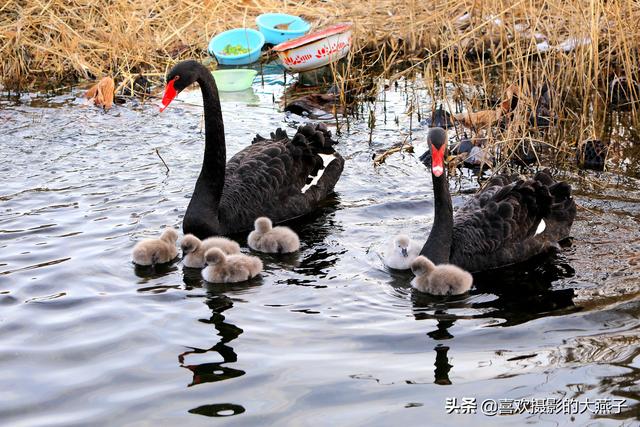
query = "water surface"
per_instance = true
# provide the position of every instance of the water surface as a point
(327, 336)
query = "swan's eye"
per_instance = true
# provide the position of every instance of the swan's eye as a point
(176, 78)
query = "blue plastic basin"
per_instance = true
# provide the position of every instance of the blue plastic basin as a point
(267, 22)
(246, 37)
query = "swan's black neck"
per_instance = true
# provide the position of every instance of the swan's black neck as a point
(438, 245)
(202, 215)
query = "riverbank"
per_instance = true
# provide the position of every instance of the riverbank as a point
(465, 53)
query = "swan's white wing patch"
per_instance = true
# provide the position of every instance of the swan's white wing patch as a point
(541, 227)
(326, 159)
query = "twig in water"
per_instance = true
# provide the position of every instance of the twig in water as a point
(380, 159)
(165, 163)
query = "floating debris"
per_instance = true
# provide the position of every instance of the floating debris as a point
(398, 148)
(479, 120)
(473, 152)
(592, 154)
(318, 106)
(102, 93)
(283, 26)
(484, 119)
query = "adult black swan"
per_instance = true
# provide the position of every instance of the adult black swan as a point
(279, 178)
(508, 221)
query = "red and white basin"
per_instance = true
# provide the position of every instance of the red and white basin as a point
(316, 49)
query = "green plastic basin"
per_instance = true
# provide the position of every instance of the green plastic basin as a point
(234, 80)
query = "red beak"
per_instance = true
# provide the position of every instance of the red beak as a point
(169, 93)
(437, 159)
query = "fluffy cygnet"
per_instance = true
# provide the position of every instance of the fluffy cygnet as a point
(193, 249)
(223, 268)
(401, 252)
(156, 251)
(443, 279)
(273, 240)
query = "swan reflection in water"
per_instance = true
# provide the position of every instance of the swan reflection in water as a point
(212, 372)
(523, 293)
(313, 231)
(442, 365)
(317, 256)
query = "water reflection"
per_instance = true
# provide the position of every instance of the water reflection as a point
(217, 371)
(367, 328)
(218, 410)
(624, 386)
(192, 278)
(526, 292)
(247, 96)
(444, 323)
(318, 255)
(149, 272)
(424, 305)
(516, 295)
(442, 365)
(520, 294)
(211, 372)
(616, 350)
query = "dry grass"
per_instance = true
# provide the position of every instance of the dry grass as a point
(55, 41)
(51, 42)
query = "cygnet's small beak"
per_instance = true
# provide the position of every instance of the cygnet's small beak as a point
(404, 252)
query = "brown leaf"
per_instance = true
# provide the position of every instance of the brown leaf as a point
(480, 119)
(510, 92)
(102, 93)
(513, 89)
(505, 105)
(283, 26)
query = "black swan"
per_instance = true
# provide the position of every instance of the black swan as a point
(280, 178)
(508, 221)
(439, 118)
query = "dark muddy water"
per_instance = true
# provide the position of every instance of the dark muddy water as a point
(325, 337)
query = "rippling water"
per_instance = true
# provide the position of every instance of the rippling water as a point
(327, 336)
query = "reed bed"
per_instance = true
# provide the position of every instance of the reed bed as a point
(464, 52)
